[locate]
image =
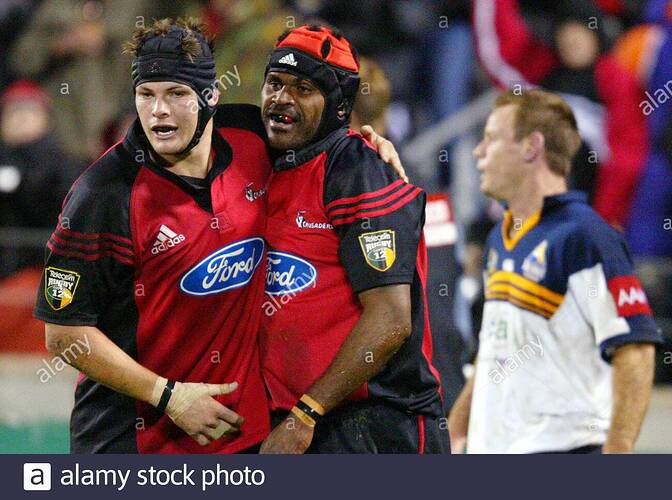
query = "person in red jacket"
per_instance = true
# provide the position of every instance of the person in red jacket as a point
(570, 58)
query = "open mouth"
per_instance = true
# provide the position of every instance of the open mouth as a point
(282, 121)
(164, 131)
(282, 118)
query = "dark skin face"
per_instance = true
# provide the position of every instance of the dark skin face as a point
(291, 109)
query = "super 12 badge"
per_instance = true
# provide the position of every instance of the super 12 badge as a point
(379, 249)
(60, 286)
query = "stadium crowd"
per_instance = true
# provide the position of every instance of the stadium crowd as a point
(65, 98)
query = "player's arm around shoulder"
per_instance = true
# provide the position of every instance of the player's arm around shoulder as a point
(386, 150)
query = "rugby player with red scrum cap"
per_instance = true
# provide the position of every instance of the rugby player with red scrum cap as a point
(345, 342)
(156, 265)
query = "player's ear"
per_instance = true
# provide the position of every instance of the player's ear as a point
(214, 98)
(534, 146)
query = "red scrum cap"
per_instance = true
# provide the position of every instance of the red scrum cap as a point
(322, 45)
(325, 57)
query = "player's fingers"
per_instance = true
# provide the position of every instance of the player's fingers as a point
(218, 389)
(396, 163)
(221, 429)
(212, 424)
(368, 133)
(229, 416)
(386, 150)
(388, 153)
(201, 439)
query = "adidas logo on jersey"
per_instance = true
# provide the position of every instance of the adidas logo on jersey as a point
(167, 238)
(288, 59)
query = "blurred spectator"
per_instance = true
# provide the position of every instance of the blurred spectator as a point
(373, 99)
(245, 32)
(627, 11)
(34, 172)
(449, 346)
(470, 295)
(570, 54)
(73, 47)
(397, 34)
(115, 129)
(450, 66)
(14, 15)
(647, 51)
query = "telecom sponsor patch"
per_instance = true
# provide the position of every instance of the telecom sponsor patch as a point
(379, 249)
(60, 286)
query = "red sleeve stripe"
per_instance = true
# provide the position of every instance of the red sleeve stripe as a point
(93, 236)
(377, 213)
(94, 246)
(364, 196)
(372, 204)
(89, 257)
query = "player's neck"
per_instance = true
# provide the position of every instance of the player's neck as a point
(199, 160)
(529, 198)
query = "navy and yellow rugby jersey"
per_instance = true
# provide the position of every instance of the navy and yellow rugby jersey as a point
(561, 296)
(341, 222)
(173, 274)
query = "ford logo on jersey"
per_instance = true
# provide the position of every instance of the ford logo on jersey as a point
(288, 274)
(230, 267)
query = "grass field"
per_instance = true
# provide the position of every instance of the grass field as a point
(34, 415)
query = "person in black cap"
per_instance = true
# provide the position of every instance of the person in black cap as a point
(346, 346)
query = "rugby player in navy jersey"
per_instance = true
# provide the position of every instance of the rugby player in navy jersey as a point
(155, 266)
(345, 342)
(567, 343)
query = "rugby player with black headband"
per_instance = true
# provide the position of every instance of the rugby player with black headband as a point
(345, 340)
(157, 264)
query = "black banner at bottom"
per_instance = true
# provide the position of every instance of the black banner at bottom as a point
(343, 477)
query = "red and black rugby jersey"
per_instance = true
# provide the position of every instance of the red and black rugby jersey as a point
(173, 275)
(341, 222)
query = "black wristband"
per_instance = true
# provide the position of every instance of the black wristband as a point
(308, 410)
(165, 396)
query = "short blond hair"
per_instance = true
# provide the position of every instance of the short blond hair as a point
(549, 114)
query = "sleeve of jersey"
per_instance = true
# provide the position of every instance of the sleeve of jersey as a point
(606, 289)
(378, 217)
(82, 258)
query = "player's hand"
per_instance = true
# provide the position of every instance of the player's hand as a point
(290, 437)
(194, 409)
(386, 150)
(457, 429)
(615, 446)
